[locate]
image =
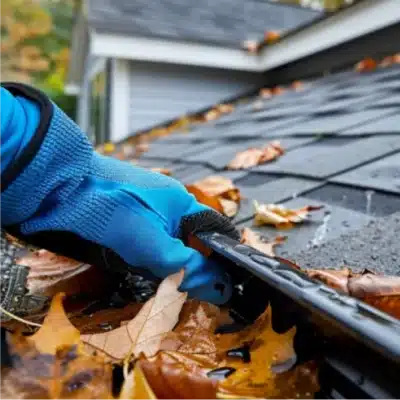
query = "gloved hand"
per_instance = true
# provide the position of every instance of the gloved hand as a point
(61, 194)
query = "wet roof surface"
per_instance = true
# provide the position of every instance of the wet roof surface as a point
(222, 22)
(342, 141)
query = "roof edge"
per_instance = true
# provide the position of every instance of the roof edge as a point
(327, 32)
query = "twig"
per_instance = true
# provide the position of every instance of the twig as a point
(11, 315)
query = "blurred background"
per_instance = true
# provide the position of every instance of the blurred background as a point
(36, 40)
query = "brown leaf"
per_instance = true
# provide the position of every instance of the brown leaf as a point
(382, 292)
(280, 216)
(337, 279)
(254, 240)
(50, 274)
(145, 332)
(171, 378)
(51, 363)
(136, 386)
(253, 156)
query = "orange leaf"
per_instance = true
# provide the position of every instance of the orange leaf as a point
(366, 65)
(51, 363)
(204, 198)
(136, 386)
(271, 36)
(171, 378)
(145, 332)
(57, 331)
(254, 240)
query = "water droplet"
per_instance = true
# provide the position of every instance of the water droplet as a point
(241, 352)
(221, 373)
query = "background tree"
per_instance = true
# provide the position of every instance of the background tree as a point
(35, 41)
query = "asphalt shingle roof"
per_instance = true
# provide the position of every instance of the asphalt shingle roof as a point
(222, 22)
(346, 158)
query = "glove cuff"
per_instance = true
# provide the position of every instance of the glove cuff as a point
(57, 157)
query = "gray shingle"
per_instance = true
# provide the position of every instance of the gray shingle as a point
(388, 124)
(332, 124)
(322, 161)
(381, 175)
(223, 22)
(320, 228)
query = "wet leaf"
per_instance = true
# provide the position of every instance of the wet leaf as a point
(57, 331)
(255, 240)
(51, 363)
(145, 332)
(269, 371)
(171, 378)
(281, 216)
(253, 156)
(136, 386)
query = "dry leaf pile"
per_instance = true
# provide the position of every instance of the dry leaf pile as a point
(218, 193)
(254, 156)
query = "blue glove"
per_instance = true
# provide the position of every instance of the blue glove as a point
(61, 194)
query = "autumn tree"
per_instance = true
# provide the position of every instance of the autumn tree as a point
(35, 36)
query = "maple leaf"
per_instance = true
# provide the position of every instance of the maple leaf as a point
(51, 363)
(145, 332)
(280, 216)
(218, 193)
(254, 240)
(136, 386)
(253, 156)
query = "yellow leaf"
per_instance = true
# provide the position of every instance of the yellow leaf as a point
(57, 331)
(145, 332)
(279, 215)
(136, 386)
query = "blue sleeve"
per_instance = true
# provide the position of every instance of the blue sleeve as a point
(19, 121)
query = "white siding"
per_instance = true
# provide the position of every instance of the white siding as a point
(160, 92)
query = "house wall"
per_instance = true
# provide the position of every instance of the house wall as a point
(160, 92)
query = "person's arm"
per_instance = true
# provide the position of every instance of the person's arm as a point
(57, 192)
